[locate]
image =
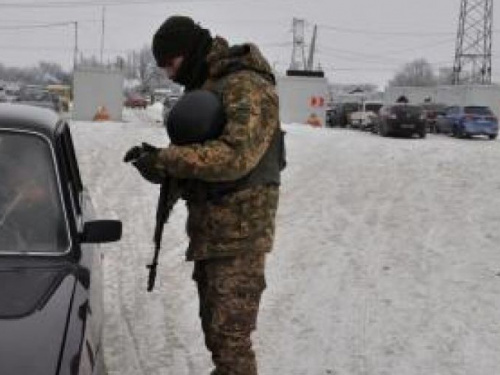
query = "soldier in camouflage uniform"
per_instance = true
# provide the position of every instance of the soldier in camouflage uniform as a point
(233, 189)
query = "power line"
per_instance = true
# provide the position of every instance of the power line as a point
(36, 26)
(93, 3)
(386, 33)
(59, 49)
(354, 54)
(368, 32)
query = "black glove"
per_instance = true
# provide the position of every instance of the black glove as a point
(137, 151)
(132, 154)
(144, 158)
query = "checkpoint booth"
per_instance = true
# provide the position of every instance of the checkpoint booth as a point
(303, 97)
(97, 94)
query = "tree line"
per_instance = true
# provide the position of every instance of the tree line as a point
(138, 67)
(421, 73)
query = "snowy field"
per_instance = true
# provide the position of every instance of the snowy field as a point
(386, 262)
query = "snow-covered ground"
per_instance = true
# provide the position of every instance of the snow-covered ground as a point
(386, 260)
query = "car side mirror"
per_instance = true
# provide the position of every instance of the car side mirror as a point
(100, 231)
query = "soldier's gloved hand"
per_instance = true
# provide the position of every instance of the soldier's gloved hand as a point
(145, 158)
(132, 154)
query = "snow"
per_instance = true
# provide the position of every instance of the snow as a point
(155, 111)
(386, 259)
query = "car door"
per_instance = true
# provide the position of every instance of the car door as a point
(84, 343)
(448, 120)
(381, 122)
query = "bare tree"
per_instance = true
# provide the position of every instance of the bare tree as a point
(416, 73)
(445, 76)
(44, 73)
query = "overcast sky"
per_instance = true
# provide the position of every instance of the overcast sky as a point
(358, 40)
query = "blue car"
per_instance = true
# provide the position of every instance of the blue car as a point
(467, 121)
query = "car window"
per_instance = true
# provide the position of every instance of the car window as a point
(476, 110)
(31, 213)
(70, 166)
(351, 107)
(36, 95)
(374, 107)
(408, 109)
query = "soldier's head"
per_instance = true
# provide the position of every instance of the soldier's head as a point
(180, 47)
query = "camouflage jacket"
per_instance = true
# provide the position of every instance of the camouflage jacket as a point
(241, 221)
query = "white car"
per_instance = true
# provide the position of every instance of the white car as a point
(168, 104)
(364, 118)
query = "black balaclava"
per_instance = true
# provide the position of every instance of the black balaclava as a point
(180, 36)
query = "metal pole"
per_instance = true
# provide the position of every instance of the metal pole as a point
(75, 53)
(102, 32)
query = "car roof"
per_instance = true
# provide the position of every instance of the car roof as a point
(28, 118)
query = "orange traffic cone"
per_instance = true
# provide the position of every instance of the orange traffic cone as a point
(102, 114)
(314, 121)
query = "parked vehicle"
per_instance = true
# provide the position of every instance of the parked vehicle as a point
(39, 97)
(342, 113)
(467, 121)
(430, 112)
(12, 94)
(134, 100)
(330, 115)
(168, 104)
(365, 117)
(400, 119)
(51, 310)
(3, 95)
(64, 94)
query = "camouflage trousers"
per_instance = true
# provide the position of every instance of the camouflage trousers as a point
(229, 290)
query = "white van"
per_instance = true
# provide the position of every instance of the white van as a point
(364, 117)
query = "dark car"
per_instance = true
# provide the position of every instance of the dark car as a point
(430, 113)
(51, 308)
(400, 119)
(134, 100)
(39, 97)
(330, 116)
(3, 95)
(466, 121)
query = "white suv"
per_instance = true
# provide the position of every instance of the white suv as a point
(364, 118)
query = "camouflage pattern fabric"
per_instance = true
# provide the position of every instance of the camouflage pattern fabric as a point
(230, 290)
(242, 221)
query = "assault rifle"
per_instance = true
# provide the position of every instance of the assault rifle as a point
(169, 195)
(141, 158)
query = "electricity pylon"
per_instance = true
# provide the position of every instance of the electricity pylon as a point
(473, 45)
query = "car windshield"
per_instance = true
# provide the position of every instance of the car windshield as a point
(351, 107)
(31, 214)
(408, 109)
(36, 96)
(485, 111)
(373, 107)
(433, 107)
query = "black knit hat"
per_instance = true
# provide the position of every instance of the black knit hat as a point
(175, 37)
